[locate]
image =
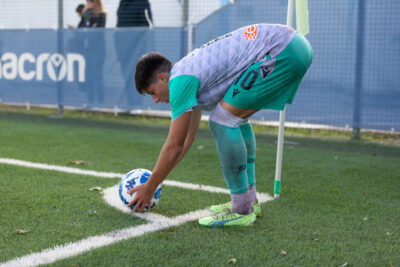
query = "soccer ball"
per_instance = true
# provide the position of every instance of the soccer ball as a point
(132, 179)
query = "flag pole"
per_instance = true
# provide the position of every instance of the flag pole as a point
(282, 114)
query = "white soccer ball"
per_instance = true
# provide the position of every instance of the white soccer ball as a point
(132, 179)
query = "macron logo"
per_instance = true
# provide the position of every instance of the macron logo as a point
(57, 67)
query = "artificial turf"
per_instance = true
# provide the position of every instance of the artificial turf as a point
(340, 199)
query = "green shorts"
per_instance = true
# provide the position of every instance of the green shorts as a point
(272, 82)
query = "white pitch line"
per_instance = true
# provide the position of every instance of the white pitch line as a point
(51, 255)
(157, 222)
(207, 188)
(111, 197)
(59, 168)
(44, 166)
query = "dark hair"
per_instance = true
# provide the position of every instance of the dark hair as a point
(80, 8)
(148, 66)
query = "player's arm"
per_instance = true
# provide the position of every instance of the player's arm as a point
(191, 135)
(169, 156)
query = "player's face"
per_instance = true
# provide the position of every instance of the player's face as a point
(159, 91)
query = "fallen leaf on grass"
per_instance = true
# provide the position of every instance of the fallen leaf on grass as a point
(92, 212)
(365, 219)
(283, 252)
(96, 188)
(387, 233)
(232, 261)
(200, 147)
(316, 239)
(79, 162)
(21, 232)
(344, 265)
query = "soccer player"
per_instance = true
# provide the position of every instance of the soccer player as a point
(233, 76)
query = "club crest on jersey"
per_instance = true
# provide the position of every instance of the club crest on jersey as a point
(251, 32)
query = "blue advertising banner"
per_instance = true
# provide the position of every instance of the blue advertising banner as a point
(82, 68)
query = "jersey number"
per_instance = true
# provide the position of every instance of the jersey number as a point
(246, 85)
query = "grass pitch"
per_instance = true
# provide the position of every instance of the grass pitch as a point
(340, 200)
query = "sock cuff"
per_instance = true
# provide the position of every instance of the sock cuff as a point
(224, 117)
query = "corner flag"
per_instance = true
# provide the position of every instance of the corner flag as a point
(302, 27)
(302, 17)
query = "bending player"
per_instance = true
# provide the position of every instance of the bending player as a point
(234, 76)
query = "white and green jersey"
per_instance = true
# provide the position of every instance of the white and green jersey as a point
(201, 79)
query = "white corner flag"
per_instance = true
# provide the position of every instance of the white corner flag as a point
(302, 17)
(303, 28)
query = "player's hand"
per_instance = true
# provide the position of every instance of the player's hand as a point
(143, 196)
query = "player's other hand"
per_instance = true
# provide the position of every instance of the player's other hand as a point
(143, 197)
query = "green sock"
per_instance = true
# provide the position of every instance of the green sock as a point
(233, 156)
(250, 141)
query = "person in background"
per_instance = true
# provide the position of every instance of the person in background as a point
(131, 13)
(95, 17)
(95, 14)
(80, 9)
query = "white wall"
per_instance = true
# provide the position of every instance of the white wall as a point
(22, 14)
(36, 14)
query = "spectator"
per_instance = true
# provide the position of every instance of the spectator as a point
(95, 14)
(95, 50)
(132, 13)
(80, 9)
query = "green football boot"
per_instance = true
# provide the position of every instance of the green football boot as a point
(228, 218)
(228, 206)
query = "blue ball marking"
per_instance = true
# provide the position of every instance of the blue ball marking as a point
(130, 184)
(129, 174)
(120, 192)
(145, 176)
(157, 194)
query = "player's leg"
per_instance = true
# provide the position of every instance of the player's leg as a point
(250, 141)
(232, 152)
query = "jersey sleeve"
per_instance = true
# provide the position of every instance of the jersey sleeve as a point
(182, 94)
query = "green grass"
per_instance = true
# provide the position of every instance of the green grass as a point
(340, 199)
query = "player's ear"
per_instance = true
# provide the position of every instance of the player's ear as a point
(163, 76)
